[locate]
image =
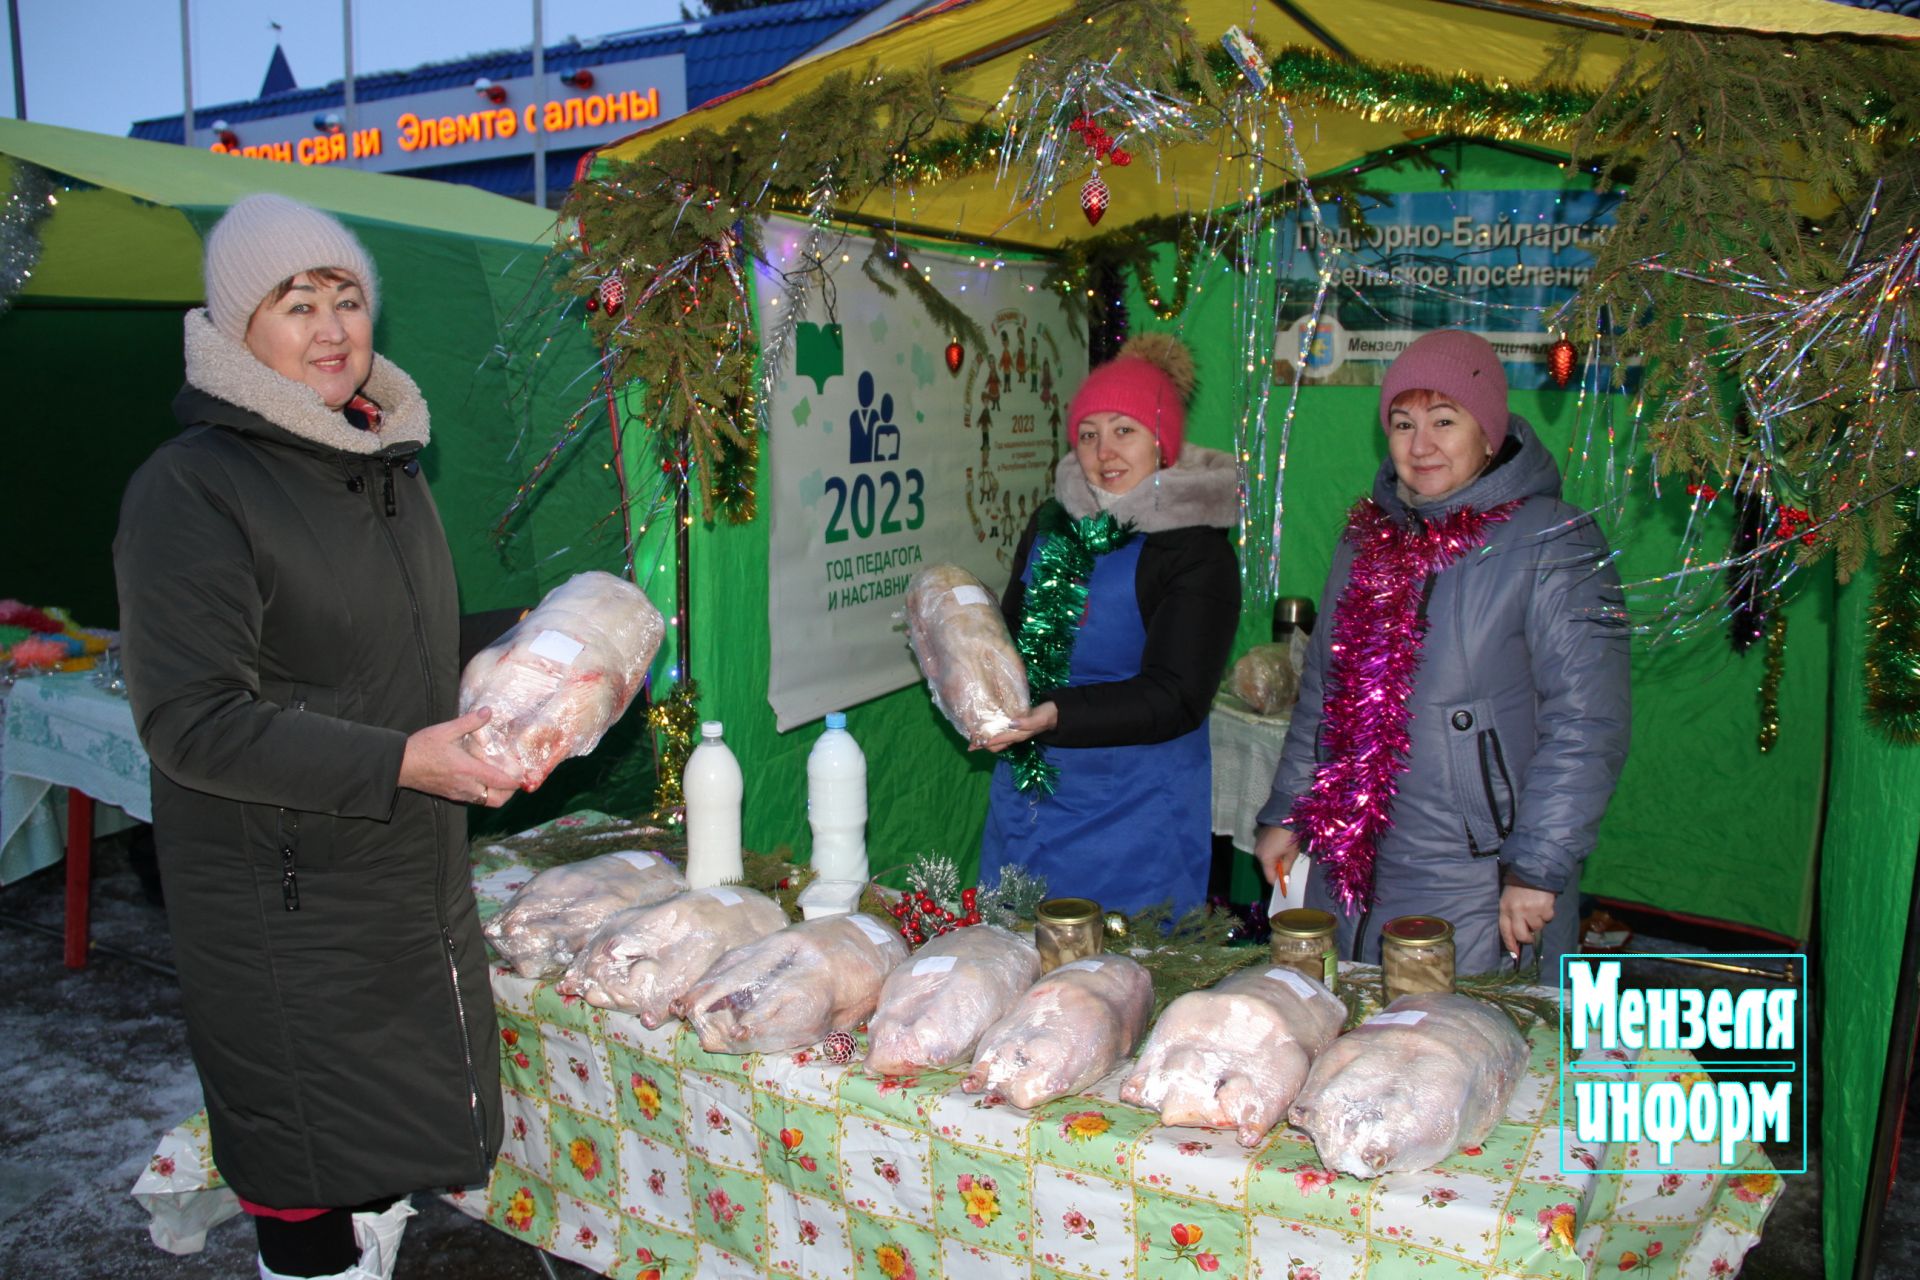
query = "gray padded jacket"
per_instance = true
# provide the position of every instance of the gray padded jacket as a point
(1519, 714)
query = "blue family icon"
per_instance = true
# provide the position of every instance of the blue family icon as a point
(872, 435)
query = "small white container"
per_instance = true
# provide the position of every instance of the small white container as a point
(714, 787)
(837, 803)
(830, 898)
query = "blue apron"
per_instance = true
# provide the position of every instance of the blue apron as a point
(1129, 826)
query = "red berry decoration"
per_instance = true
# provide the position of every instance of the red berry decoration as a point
(1093, 200)
(1120, 157)
(837, 1047)
(956, 355)
(613, 292)
(1561, 357)
(593, 303)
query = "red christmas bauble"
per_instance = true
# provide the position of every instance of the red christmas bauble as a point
(613, 292)
(593, 303)
(1561, 357)
(1093, 200)
(956, 356)
(838, 1047)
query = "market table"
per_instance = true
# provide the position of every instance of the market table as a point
(66, 731)
(1246, 750)
(638, 1154)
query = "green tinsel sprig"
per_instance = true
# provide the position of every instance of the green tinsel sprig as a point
(1893, 632)
(1056, 601)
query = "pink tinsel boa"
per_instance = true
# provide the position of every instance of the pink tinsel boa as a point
(1378, 634)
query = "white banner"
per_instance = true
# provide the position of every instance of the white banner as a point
(881, 461)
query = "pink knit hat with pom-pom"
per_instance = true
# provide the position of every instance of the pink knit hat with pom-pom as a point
(1150, 381)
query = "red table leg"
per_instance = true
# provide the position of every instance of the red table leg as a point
(79, 874)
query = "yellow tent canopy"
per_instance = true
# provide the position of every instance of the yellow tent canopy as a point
(126, 236)
(978, 47)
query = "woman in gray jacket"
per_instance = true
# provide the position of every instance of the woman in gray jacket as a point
(1463, 716)
(290, 631)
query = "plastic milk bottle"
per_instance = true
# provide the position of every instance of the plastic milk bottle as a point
(713, 787)
(837, 803)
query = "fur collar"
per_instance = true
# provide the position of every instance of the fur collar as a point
(1202, 488)
(226, 370)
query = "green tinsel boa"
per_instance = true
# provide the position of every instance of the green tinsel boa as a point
(1056, 602)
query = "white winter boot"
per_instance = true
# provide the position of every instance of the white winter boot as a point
(378, 1235)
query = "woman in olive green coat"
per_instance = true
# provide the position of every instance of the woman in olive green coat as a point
(290, 630)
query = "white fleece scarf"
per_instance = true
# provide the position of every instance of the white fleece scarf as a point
(225, 369)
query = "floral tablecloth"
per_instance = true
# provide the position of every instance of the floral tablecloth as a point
(63, 730)
(641, 1156)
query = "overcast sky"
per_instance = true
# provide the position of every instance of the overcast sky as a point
(102, 64)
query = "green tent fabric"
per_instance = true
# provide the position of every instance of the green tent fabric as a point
(92, 351)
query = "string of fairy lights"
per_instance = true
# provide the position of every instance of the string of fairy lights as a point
(665, 241)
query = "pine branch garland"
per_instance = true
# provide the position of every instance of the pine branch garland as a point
(1893, 632)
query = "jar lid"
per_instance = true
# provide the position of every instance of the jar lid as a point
(1303, 922)
(1067, 911)
(1418, 931)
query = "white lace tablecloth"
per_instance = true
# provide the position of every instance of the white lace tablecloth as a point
(65, 731)
(1246, 749)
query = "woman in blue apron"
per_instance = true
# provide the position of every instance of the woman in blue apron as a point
(1124, 600)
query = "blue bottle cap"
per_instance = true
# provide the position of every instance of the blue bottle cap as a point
(836, 719)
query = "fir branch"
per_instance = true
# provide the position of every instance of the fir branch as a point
(888, 261)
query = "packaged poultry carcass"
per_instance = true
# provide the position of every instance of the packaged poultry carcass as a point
(561, 677)
(645, 958)
(1067, 1031)
(935, 1008)
(1266, 678)
(793, 987)
(960, 639)
(1408, 1087)
(1233, 1056)
(550, 920)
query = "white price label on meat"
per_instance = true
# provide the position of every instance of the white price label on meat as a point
(933, 964)
(879, 936)
(1085, 966)
(971, 595)
(637, 858)
(1302, 987)
(1405, 1018)
(725, 897)
(556, 646)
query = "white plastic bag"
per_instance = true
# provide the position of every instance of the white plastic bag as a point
(791, 988)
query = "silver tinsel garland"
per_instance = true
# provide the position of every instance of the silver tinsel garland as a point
(29, 201)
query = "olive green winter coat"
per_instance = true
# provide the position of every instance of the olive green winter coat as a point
(289, 615)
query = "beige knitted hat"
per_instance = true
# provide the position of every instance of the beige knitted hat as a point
(265, 239)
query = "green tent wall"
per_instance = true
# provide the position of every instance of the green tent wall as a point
(1704, 824)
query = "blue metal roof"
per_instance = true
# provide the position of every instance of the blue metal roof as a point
(723, 53)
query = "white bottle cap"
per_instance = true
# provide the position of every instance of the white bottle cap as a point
(710, 728)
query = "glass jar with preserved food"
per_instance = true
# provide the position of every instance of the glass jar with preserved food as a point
(1303, 941)
(1067, 929)
(1416, 953)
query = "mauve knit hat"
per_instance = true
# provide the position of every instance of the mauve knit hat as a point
(265, 239)
(1459, 365)
(1149, 381)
